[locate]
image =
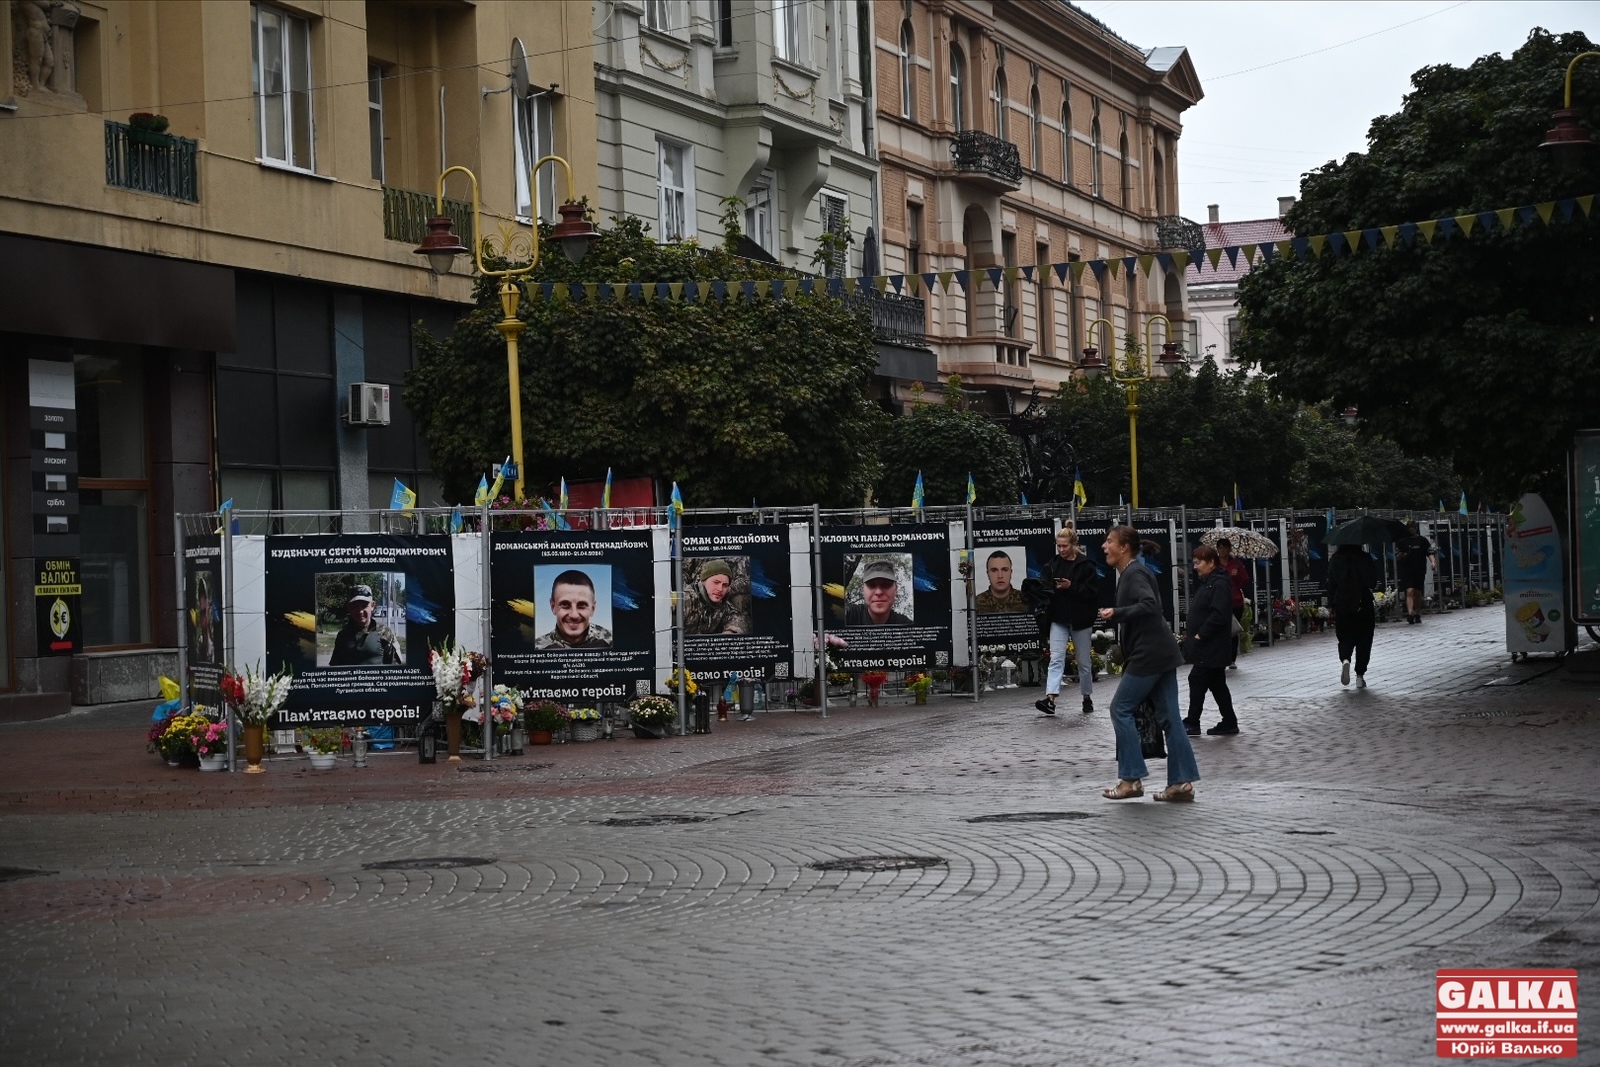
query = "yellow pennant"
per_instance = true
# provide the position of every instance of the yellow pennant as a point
(1113, 265)
(591, 292)
(675, 290)
(561, 293)
(914, 284)
(944, 279)
(1215, 256)
(1505, 215)
(1077, 270)
(1586, 202)
(1249, 254)
(1144, 263)
(1465, 222)
(1010, 274)
(1318, 243)
(647, 291)
(1545, 210)
(881, 282)
(1427, 228)
(1286, 249)
(1352, 238)
(1388, 233)
(763, 286)
(1180, 260)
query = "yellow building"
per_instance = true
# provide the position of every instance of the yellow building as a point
(208, 210)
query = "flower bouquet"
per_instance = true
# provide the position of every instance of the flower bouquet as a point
(873, 680)
(177, 738)
(505, 703)
(918, 685)
(544, 717)
(255, 697)
(455, 671)
(672, 682)
(652, 715)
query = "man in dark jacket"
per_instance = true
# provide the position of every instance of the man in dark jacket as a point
(1351, 576)
(1070, 575)
(1150, 660)
(1207, 643)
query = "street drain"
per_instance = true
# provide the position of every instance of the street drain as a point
(495, 768)
(8, 874)
(429, 863)
(655, 820)
(1033, 816)
(879, 863)
(1310, 833)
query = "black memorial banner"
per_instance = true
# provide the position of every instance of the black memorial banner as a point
(1308, 559)
(1091, 541)
(354, 617)
(737, 603)
(1004, 555)
(203, 590)
(574, 613)
(886, 592)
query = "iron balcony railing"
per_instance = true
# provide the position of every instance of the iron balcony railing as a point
(149, 162)
(986, 155)
(1175, 231)
(406, 215)
(896, 319)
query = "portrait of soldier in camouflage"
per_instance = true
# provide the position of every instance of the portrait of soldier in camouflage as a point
(1002, 597)
(572, 607)
(364, 641)
(716, 602)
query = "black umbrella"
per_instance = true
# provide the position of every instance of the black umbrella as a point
(1367, 530)
(869, 254)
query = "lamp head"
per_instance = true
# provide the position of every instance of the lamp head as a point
(1569, 144)
(1092, 363)
(1169, 354)
(574, 232)
(441, 245)
(1351, 416)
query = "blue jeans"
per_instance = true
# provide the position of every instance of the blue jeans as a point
(1131, 692)
(1081, 641)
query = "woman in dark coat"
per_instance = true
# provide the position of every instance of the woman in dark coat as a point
(1208, 642)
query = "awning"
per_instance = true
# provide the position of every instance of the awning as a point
(908, 363)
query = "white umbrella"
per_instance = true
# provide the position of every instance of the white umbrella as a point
(1247, 544)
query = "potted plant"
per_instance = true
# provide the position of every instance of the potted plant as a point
(210, 744)
(583, 724)
(177, 738)
(455, 672)
(323, 746)
(808, 692)
(918, 685)
(256, 697)
(651, 716)
(544, 717)
(145, 127)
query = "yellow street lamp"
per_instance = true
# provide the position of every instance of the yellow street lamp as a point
(442, 246)
(1569, 142)
(1130, 371)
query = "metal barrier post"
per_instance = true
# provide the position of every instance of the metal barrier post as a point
(820, 668)
(485, 630)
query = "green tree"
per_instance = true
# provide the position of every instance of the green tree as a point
(946, 442)
(733, 399)
(1483, 349)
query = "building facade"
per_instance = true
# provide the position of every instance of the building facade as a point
(1016, 134)
(1214, 291)
(208, 212)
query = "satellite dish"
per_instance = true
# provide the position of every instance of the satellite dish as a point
(519, 70)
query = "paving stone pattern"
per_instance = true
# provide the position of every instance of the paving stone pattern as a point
(658, 902)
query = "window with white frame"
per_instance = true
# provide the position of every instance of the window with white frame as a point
(676, 170)
(758, 215)
(958, 89)
(534, 138)
(908, 51)
(1002, 108)
(375, 118)
(791, 27)
(280, 48)
(1095, 147)
(661, 15)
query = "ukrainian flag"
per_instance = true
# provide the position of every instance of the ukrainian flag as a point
(916, 493)
(605, 496)
(563, 504)
(1079, 495)
(481, 497)
(972, 490)
(403, 499)
(676, 508)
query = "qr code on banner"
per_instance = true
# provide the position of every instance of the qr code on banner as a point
(941, 659)
(642, 687)
(780, 671)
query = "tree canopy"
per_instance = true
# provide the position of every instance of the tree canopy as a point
(729, 398)
(1482, 349)
(946, 442)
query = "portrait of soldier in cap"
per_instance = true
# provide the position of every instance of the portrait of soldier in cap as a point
(363, 641)
(880, 588)
(572, 606)
(1002, 597)
(712, 605)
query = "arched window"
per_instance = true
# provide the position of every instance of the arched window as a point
(1095, 184)
(1002, 109)
(1127, 171)
(908, 50)
(958, 89)
(1035, 129)
(1160, 178)
(1066, 139)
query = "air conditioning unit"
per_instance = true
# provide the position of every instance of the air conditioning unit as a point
(369, 404)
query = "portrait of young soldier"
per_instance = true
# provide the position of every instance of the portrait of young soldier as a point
(1001, 597)
(572, 603)
(712, 605)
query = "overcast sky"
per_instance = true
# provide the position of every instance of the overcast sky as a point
(1258, 130)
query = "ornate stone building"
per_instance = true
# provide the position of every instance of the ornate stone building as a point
(1015, 134)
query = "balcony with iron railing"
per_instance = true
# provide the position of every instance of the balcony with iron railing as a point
(986, 160)
(897, 319)
(150, 162)
(406, 215)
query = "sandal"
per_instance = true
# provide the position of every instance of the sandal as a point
(1181, 793)
(1124, 790)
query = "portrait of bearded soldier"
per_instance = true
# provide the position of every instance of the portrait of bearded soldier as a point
(363, 641)
(711, 606)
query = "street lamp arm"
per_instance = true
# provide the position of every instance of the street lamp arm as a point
(477, 217)
(572, 188)
(1571, 67)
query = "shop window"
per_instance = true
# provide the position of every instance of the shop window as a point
(114, 498)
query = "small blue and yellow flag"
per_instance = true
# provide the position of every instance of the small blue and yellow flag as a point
(675, 507)
(605, 495)
(972, 490)
(499, 480)
(916, 493)
(1441, 505)
(1080, 495)
(455, 520)
(481, 497)
(1024, 497)
(403, 499)
(1463, 508)
(563, 505)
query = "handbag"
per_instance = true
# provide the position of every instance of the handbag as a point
(1152, 738)
(1235, 627)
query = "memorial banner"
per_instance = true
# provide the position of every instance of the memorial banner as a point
(203, 595)
(886, 593)
(354, 617)
(1004, 555)
(1308, 559)
(573, 615)
(737, 613)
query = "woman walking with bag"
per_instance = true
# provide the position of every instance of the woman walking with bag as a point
(1208, 645)
(1150, 662)
(1074, 597)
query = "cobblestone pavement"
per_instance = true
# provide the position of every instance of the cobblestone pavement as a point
(647, 903)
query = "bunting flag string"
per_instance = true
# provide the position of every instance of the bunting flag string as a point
(1315, 246)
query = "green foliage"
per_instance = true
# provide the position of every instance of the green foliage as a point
(1481, 349)
(731, 399)
(945, 442)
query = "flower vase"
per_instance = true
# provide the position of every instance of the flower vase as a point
(255, 746)
(452, 729)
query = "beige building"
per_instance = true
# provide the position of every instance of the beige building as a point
(1015, 134)
(208, 210)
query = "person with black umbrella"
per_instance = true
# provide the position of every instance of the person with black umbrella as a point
(1351, 577)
